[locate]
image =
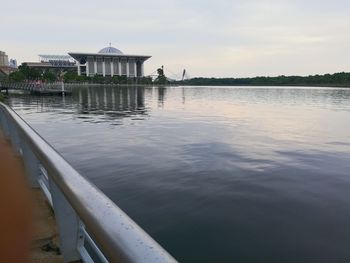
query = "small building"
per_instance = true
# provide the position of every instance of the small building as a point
(13, 63)
(46, 62)
(110, 61)
(58, 61)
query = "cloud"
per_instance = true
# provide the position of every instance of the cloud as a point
(209, 38)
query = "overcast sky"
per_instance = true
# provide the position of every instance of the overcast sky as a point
(221, 38)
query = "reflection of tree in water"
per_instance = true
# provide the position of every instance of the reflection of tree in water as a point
(183, 95)
(161, 96)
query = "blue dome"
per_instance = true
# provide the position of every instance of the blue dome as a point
(110, 50)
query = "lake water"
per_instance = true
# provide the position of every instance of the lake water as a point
(214, 174)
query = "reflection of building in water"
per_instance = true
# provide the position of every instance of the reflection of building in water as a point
(109, 61)
(115, 102)
(98, 104)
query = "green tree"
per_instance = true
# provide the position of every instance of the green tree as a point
(161, 79)
(146, 81)
(337, 79)
(49, 76)
(98, 79)
(17, 76)
(30, 73)
(115, 80)
(123, 80)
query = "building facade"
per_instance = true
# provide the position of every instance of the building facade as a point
(13, 63)
(4, 59)
(111, 62)
(5, 67)
(49, 62)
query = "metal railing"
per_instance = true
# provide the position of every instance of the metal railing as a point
(31, 86)
(91, 227)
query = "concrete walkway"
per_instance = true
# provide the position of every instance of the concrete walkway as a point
(45, 240)
(27, 225)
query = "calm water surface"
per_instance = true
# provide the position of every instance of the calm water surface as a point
(214, 174)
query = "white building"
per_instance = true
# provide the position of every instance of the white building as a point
(110, 61)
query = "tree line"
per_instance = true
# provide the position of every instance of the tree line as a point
(337, 79)
(25, 73)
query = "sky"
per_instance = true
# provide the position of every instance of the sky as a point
(221, 38)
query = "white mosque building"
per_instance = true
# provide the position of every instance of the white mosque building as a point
(109, 61)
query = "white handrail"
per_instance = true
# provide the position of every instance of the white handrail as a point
(76, 202)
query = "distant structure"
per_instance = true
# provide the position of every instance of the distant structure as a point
(62, 62)
(4, 59)
(109, 61)
(13, 63)
(5, 67)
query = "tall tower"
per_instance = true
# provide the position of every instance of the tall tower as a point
(4, 60)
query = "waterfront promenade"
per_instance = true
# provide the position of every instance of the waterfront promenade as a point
(91, 227)
(27, 224)
(57, 88)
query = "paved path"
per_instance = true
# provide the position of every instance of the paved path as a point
(27, 225)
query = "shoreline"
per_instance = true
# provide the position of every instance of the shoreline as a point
(71, 85)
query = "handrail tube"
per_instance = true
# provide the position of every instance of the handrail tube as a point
(117, 235)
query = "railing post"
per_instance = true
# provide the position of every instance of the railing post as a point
(14, 136)
(30, 161)
(4, 124)
(31, 164)
(67, 222)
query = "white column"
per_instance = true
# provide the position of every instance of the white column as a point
(135, 68)
(142, 70)
(104, 68)
(112, 68)
(95, 67)
(87, 68)
(79, 69)
(120, 68)
(127, 68)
